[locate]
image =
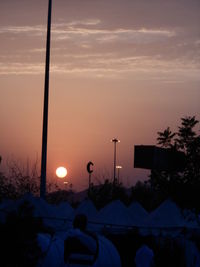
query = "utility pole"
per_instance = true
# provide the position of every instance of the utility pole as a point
(45, 108)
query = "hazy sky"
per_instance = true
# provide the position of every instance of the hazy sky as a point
(119, 68)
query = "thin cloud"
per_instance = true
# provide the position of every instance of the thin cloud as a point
(36, 30)
(142, 67)
(107, 35)
(72, 30)
(21, 69)
(87, 22)
(141, 50)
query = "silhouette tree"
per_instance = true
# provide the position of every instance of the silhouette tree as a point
(189, 142)
(106, 192)
(186, 134)
(165, 138)
(21, 179)
(184, 185)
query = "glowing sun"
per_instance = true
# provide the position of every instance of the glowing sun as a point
(61, 172)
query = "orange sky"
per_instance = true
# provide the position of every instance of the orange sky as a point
(123, 69)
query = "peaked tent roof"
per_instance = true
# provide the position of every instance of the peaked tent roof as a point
(87, 207)
(41, 207)
(137, 211)
(115, 213)
(166, 215)
(64, 210)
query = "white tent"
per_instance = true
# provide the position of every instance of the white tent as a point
(107, 255)
(52, 249)
(190, 218)
(61, 216)
(165, 220)
(40, 207)
(64, 210)
(116, 214)
(166, 215)
(55, 216)
(87, 207)
(138, 213)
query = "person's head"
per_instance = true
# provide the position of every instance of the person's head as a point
(80, 222)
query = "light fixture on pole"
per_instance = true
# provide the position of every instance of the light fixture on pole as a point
(45, 108)
(118, 168)
(115, 141)
(65, 184)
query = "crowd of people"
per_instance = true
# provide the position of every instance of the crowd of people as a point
(135, 250)
(25, 241)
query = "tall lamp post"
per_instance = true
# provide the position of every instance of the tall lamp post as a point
(115, 141)
(45, 108)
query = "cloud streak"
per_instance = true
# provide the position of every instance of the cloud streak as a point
(88, 31)
(37, 30)
(141, 68)
(117, 51)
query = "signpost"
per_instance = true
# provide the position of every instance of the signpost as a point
(90, 171)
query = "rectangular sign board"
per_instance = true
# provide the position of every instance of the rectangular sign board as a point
(157, 158)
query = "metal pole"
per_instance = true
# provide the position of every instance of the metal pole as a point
(118, 168)
(118, 175)
(115, 141)
(89, 182)
(90, 171)
(45, 108)
(114, 178)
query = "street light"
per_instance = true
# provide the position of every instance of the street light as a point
(115, 141)
(65, 184)
(118, 168)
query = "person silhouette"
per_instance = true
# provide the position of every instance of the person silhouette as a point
(80, 247)
(83, 248)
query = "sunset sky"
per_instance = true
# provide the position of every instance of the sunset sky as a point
(119, 68)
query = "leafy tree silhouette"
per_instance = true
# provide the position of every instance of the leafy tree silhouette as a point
(165, 138)
(182, 186)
